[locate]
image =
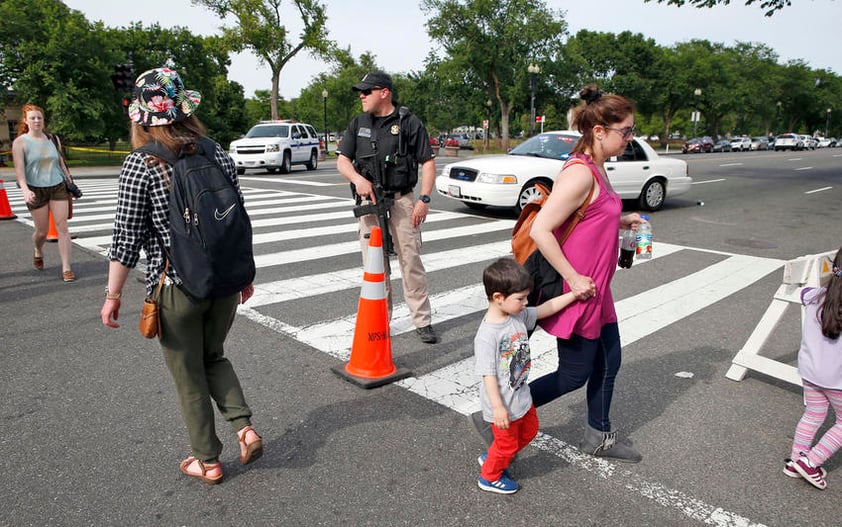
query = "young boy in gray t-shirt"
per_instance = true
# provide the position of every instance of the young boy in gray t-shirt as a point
(501, 351)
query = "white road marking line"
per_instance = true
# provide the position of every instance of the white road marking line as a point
(708, 181)
(818, 190)
(803, 168)
(336, 249)
(293, 181)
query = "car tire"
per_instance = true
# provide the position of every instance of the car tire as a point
(653, 195)
(313, 164)
(529, 192)
(241, 171)
(286, 164)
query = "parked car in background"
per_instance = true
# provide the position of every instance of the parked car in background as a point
(698, 145)
(277, 145)
(809, 142)
(463, 140)
(759, 143)
(509, 180)
(741, 144)
(788, 141)
(722, 145)
(827, 142)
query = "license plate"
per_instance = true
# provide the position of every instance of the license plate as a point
(250, 162)
(454, 191)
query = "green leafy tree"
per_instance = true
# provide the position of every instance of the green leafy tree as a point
(491, 43)
(771, 6)
(203, 64)
(53, 57)
(261, 30)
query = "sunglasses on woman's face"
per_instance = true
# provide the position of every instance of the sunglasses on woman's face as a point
(627, 132)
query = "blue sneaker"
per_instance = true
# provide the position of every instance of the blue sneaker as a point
(504, 485)
(481, 460)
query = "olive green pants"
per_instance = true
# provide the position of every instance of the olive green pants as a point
(192, 337)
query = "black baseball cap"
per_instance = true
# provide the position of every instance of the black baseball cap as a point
(375, 79)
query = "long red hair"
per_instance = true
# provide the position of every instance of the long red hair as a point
(22, 126)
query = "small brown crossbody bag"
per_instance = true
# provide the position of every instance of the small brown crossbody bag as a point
(150, 316)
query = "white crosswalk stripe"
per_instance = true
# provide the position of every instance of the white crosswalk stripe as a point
(329, 229)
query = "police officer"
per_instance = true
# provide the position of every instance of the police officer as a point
(401, 146)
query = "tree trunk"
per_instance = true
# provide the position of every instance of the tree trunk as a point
(273, 100)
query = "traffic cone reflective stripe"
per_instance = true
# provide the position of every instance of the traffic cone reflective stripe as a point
(5, 209)
(371, 352)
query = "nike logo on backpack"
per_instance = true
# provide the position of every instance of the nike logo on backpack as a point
(220, 217)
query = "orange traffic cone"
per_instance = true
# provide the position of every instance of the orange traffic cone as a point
(5, 208)
(52, 234)
(371, 353)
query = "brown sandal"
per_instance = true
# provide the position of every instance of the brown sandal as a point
(38, 262)
(249, 451)
(68, 276)
(203, 469)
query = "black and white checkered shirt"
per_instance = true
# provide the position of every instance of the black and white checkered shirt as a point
(142, 219)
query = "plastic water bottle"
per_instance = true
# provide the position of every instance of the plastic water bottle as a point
(644, 239)
(628, 246)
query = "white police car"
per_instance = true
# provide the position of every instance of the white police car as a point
(277, 145)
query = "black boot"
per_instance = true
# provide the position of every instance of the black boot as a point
(604, 444)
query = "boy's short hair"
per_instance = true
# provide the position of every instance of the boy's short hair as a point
(505, 276)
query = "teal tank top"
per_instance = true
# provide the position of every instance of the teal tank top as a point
(41, 166)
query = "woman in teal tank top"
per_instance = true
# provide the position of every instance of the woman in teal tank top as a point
(41, 173)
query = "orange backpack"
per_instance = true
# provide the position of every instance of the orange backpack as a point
(522, 243)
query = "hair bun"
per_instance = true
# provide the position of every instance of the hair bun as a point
(591, 96)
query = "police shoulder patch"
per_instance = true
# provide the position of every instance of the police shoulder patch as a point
(395, 130)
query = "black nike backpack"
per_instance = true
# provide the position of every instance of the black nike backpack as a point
(210, 230)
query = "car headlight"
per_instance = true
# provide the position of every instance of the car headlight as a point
(273, 148)
(497, 179)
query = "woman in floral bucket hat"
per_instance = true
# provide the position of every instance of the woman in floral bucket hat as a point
(192, 332)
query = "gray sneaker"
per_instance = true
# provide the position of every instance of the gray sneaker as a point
(427, 335)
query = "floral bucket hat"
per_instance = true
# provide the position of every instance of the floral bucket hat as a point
(160, 98)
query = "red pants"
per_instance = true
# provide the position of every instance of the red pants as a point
(509, 442)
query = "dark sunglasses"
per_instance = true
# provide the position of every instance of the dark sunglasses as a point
(627, 132)
(368, 91)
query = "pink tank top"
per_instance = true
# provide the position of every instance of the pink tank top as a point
(592, 249)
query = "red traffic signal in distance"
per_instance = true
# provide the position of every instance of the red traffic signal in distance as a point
(123, 77)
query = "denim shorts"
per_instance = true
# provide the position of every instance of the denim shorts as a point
(43, 195)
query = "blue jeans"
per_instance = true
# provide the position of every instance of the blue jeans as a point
(580, 360)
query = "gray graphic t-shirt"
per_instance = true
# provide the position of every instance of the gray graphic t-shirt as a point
(502, 349)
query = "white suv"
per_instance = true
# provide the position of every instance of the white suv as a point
(277, 145)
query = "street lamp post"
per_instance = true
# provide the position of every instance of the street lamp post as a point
(777, 117)
(533, 72)
(696, 93)
(324, 100)
(827, 121)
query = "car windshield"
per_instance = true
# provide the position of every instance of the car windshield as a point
(281, 130)
(550, 146)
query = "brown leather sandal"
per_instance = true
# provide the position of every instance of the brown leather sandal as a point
(38, 262)
(68, 276)
(195, 468)
(249, 451)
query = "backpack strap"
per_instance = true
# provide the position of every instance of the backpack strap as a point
(159, 150)
(580, 213)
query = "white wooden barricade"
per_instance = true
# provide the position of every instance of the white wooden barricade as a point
(806, 271)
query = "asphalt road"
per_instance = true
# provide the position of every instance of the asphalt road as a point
(91, 433)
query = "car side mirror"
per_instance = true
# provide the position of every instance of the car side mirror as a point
(296, 136)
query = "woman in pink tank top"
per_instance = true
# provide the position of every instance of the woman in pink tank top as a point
(586, 331)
